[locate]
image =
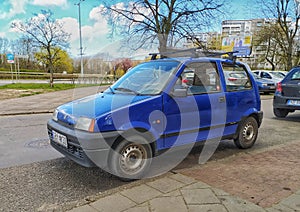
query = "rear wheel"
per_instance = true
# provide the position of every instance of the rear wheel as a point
(247, 133)
(131, 159)
(280, 113)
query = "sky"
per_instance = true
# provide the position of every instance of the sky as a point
(94, 26)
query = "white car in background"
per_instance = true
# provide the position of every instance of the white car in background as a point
(275, 76)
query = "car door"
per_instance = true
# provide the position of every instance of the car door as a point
(199, 115)
(240, 98)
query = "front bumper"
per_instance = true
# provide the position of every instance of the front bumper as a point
(267, 89)
(85, 148)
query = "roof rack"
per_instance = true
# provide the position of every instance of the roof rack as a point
(193, 52)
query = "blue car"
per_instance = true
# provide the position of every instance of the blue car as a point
(153, 109)
(287, 96)
(265, 86)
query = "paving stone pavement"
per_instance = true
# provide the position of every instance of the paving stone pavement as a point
(178, 192)
(262, 178)
(175, 192)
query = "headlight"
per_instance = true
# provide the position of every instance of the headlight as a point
(86, 124)
(54, 115)
(265, 85)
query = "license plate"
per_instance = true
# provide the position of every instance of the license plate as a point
(272, 87)
(59, 138)
(293, 102)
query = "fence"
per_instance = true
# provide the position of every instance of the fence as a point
(66, 78)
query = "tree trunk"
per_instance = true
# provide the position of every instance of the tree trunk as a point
(289, 57)
(162, 43)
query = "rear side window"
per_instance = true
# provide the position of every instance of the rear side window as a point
(296, 75)
(236, 77)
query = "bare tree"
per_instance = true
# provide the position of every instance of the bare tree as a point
(287, 14)
(165, 21)
(265, 40)
(46, 33)
(4, 45)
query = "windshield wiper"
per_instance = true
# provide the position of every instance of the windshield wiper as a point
(111, 90)
(127, 90)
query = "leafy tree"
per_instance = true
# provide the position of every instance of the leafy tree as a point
(46, 33)
(61, 61)
(168, 21)
(287, 15)
(122, 66)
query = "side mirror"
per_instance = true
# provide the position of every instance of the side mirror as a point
(179, 92)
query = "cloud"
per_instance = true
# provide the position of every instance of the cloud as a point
(17, 7)
(94, 36)
(95, 13)
(50, 2)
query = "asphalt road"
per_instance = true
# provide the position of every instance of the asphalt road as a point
(24, 136)
(30, 186)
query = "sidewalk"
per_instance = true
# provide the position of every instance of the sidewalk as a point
(182, 191)
(179, 193)
(173, 193)
(44, 103)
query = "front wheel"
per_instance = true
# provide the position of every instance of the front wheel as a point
(247, 133)
(131, 160)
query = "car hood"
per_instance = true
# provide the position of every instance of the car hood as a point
(262, 80)
(95, 106)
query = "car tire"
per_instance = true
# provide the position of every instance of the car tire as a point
(247, 133)
(280, 113)
(131, 159)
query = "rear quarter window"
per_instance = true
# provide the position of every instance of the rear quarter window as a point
(296, 75)
(236, 77)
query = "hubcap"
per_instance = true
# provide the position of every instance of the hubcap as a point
(132, 159)
(248, 132)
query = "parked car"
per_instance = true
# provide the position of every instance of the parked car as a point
(287, 95)
(272, 75)
(235, 77)
(264, 85)
(283, 73)
(146, 113)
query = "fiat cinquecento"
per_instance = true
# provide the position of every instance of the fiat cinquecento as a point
(158, 105)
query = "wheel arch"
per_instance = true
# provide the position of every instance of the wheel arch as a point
(141, 132)
(257, 116)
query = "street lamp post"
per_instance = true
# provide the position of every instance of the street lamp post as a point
(80, 38)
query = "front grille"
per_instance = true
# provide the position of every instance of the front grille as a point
(70, 126)
(73, 146)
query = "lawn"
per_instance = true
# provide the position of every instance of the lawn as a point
(45, 86)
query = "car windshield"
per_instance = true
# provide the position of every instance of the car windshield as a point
(146, 79)
(256, 76)
(278, 74)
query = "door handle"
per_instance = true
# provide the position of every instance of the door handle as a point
(222, 99)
